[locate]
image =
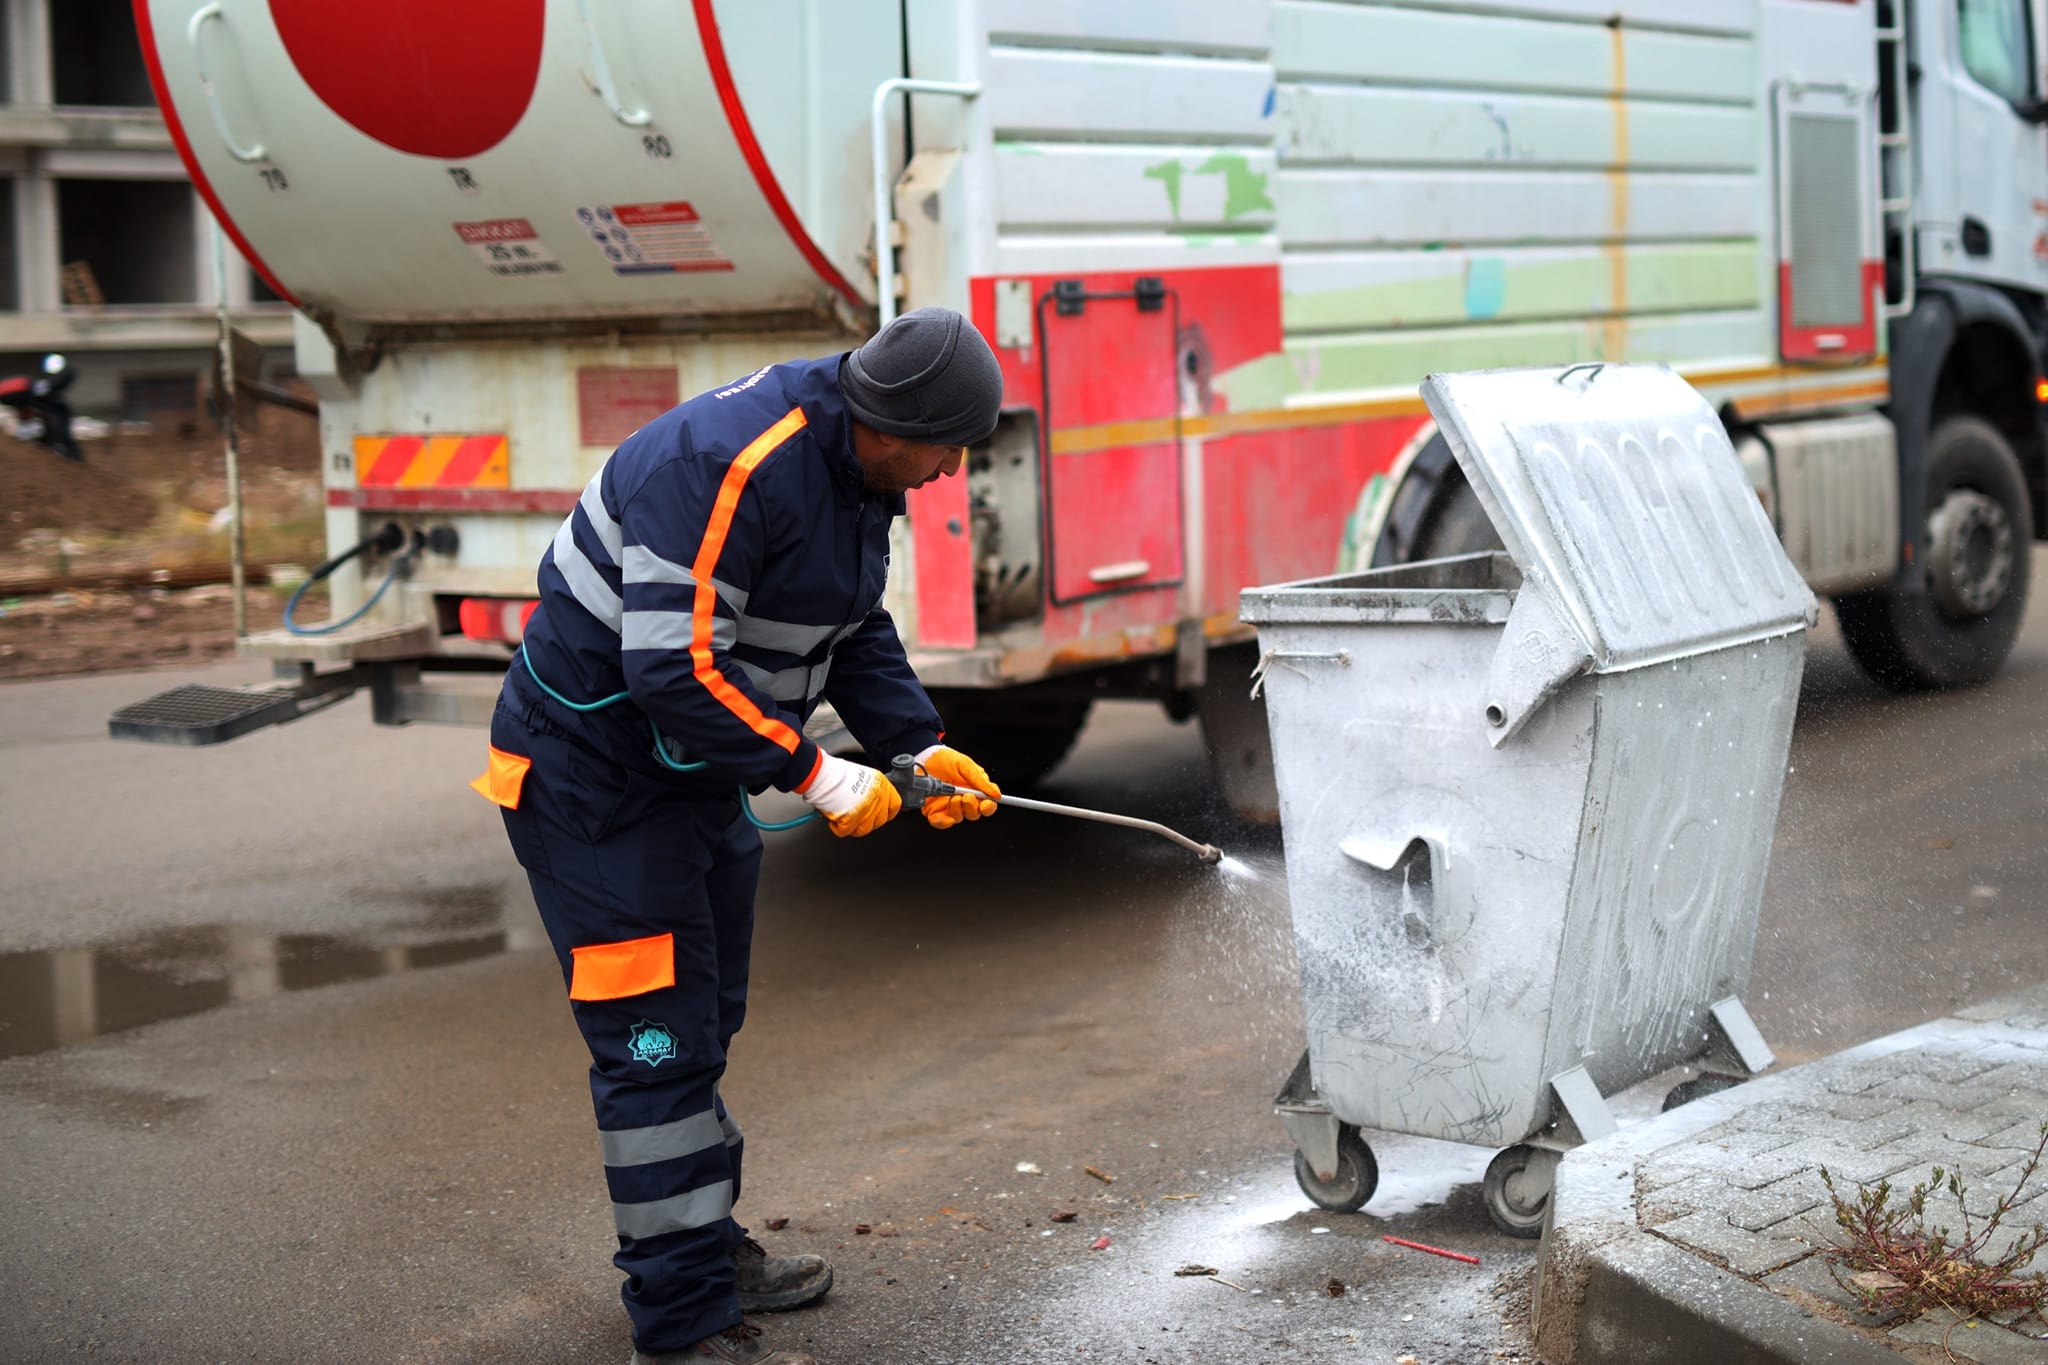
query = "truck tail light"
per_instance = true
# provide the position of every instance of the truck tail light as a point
(502, 619)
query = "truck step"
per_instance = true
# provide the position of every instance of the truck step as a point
(201, 714)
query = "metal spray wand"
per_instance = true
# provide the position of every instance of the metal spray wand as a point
(919, 786)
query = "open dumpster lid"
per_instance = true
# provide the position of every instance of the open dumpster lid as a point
(1617, 493)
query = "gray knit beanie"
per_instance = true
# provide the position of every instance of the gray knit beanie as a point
(929, 376)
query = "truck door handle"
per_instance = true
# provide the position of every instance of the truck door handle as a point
(206, 13)
(601, 70)
(1121, 573)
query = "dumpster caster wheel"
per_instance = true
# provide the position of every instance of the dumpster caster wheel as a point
(1358, 1175)
(1512, 1199)
(1698, 1088)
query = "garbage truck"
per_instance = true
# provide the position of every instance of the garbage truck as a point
(1215, 243)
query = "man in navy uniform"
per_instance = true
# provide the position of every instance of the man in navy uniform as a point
(720, 576)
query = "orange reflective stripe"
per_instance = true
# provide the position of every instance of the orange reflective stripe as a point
(713, 546)
(613, 971)
(503, 778)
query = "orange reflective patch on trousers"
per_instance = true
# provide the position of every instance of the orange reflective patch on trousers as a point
(503, 778)
(613, 971)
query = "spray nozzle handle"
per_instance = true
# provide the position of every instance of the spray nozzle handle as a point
(917, 787)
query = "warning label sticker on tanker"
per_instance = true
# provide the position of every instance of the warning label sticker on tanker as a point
(509, 247)
(614, 401)
(651, 239)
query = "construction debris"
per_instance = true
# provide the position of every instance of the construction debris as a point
(1103, 1176)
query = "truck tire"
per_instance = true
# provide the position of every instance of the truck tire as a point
(1957, 621)
(1457, 524)
(1434, 514)
(1016, 737)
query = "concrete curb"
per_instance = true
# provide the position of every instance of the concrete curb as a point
(1609, 1290)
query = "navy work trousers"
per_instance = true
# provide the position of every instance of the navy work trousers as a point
(617, 862)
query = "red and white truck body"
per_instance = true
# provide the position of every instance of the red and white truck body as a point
(1216, 244)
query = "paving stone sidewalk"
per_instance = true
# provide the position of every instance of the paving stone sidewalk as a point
(1692, 1237)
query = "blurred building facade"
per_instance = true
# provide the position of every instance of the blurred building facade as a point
(106, 250)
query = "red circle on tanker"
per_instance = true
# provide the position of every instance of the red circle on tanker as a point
(447, 80)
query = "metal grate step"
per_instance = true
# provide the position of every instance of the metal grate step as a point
(200, 714)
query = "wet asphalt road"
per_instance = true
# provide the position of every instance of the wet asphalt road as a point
(367, 1138)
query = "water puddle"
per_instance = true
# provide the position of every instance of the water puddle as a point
(62, 996)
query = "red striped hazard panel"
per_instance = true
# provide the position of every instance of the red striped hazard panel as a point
(433, 462)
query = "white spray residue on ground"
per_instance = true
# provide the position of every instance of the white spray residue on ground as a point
(1416, 1173)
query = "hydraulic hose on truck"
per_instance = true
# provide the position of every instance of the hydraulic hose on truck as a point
(389, 538)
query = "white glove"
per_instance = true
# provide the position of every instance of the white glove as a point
(854, 798)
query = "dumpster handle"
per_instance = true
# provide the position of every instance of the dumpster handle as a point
(1594, 365)
(1341, 657)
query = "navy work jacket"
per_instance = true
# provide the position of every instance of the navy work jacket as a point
(725, 571)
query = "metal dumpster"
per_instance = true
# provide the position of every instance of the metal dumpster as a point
(1528, 797)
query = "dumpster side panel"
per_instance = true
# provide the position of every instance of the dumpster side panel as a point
(1428, 872)
(1687, 773)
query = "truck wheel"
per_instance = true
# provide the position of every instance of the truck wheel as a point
(1457, 524)
(1956, 624)
(1017, 738)
(1435, 513)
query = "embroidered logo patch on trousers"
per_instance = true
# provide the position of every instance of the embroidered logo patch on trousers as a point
(651, 1043)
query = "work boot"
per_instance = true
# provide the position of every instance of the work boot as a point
(737, 1345)
(771, 1284)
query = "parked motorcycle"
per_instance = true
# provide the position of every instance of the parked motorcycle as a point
(41, 414)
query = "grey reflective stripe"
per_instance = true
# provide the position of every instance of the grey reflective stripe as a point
(642, 565)
(670, 630)
(608, 533)
(662, 1141)
(694, 1209)
(585, 583)
(790, 684)
(785, 637)
(730, 1129)
(843, 632)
